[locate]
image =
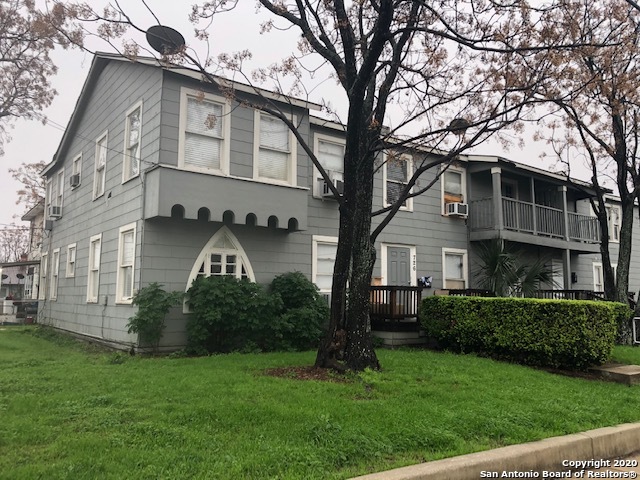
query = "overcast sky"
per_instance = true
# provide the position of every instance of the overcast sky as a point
(32, 141)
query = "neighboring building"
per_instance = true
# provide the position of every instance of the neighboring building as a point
(145, 188)
(12, 283)
(35, 217)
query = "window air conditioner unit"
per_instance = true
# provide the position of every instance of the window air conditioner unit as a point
(457, 209)
(75, 180)
(326, 191)
(55, 212)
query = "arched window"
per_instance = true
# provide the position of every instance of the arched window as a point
(222, 255)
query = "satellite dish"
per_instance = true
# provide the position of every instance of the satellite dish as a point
(20, 276)
(5, 276)
(165, 40)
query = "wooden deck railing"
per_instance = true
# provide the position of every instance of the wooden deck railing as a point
(394, 307)
(534, 219)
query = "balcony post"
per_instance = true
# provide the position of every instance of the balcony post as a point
(497, 197)
(533, 201)
(566, 260)
(565, 211)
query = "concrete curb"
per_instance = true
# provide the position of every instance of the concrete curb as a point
(544, 455)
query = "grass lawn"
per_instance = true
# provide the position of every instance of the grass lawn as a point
(625, 354)
(71, 413)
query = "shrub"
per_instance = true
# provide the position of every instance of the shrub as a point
(153, 305)
(304, 312)
(552, 333)
(237, 315)
(229, 314)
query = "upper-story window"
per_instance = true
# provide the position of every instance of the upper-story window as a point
(330, 153)
(205, 129)
(274, 150)
(396, 173)
(132, 136)
(76, 171)
(613, 220)
(54, 194)
(453, 187)
(100, 174)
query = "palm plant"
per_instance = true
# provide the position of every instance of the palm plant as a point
(502, 270)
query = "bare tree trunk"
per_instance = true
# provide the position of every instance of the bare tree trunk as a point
(624, 252)
(348, 343)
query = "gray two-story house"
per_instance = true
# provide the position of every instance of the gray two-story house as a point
(160, 177)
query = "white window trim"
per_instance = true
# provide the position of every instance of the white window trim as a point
(409, 160)
(293, 155)
(610, 224)
(79, 172)
(383, 262)
(226, 130)
(463, 185)
(317, 138)
(68, 272)
(599, 264)
(48, 190)
(59, 178)
(104, 136)
(43, 274)
(315, 240)
(126, 160)
(223, 231)
(465, 265)
(120, 298)
(55, 274)
(94, 238)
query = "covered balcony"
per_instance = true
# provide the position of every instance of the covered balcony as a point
(531, 208)
(171, 192)
(529, 218)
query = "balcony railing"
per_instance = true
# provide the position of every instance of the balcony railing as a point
(394, 308)
(534, 219)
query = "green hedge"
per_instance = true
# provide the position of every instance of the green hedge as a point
(552, 333)
(228, 314)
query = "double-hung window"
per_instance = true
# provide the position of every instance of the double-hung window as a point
(55, 270)
(93, 281)
(598, 275)
(126, 263)
(330, 153)
(274, 150)
(48, 197)
(205, 129)
(323, 260)
(100, 173)
(453, 187)
(44, 271)
(54, 194)
(71, 261)
(613, 220)
(76, 171)
(397, 172)
(132, 136)
(454, 268)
